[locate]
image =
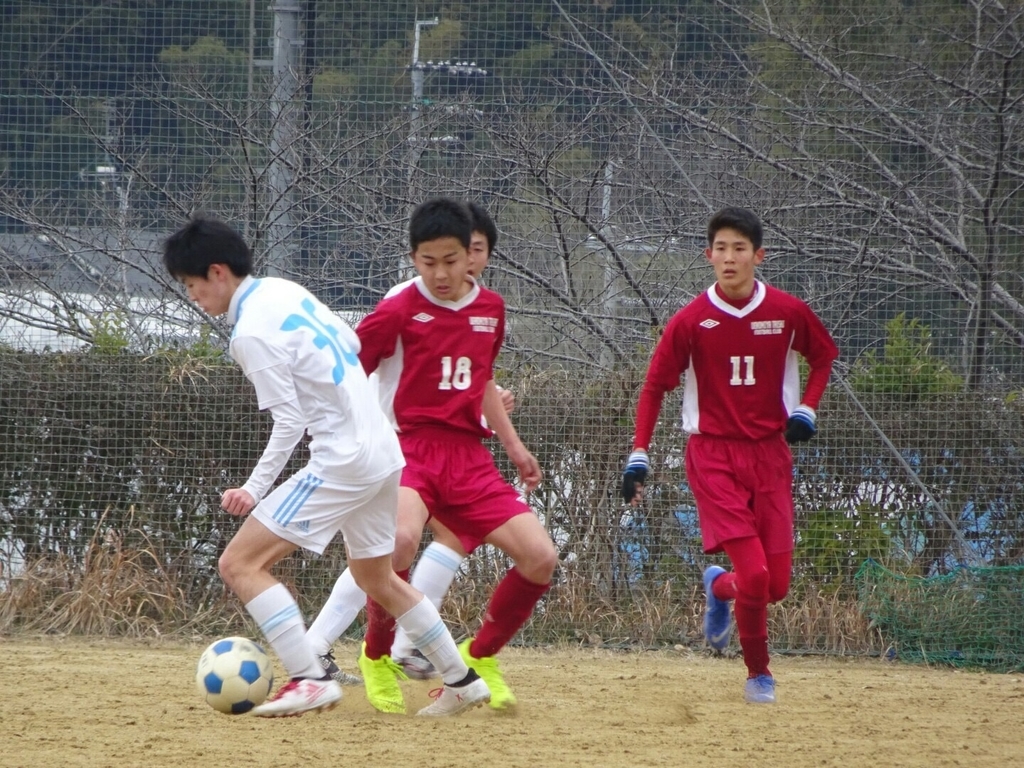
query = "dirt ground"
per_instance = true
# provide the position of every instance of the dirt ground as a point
(75, 702)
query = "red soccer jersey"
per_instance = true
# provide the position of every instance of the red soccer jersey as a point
(435, 355)
(742, 378)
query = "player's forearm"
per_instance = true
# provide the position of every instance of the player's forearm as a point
(285, 435)
(647, 409)
(817, 380)
(499, 422)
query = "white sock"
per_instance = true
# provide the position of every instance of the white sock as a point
(433, 575)
(423, 624)
(338, 613)
(280, 621)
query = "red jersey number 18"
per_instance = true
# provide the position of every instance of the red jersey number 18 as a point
(458, 377)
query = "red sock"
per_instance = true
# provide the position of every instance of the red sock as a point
(751, 581)
(511, 605)
(751, 626)
(380, 626)
(724, 587)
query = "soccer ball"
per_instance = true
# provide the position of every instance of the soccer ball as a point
(234, 675)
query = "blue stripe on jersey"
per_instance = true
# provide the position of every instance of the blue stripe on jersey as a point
(451, 562)
(294, 501)
(286, 613)
(241, 301)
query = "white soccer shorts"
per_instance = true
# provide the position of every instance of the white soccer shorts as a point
(308, 511)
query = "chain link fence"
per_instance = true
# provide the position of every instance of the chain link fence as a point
(880, 143)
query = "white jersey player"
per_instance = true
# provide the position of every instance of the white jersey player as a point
(303, 362)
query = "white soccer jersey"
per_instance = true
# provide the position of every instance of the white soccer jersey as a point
(303, 361)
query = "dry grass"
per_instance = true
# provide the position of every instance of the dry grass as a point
(119, 590)
(115, 591)
(817, 621)
(809, 620)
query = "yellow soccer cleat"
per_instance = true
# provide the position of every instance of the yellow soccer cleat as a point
(381, 676)
(501, 695)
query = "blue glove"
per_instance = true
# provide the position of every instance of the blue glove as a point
(637, 467)
(801, 425)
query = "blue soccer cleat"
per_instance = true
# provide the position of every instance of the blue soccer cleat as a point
(717, 617)
(760, 690)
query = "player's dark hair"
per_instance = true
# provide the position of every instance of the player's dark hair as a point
(440, 217)
(202, 242)
(482, 222)
(742, 220)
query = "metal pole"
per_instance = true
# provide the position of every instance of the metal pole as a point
(284, 158)
(607, 353)
(252, 51)
(418, 75)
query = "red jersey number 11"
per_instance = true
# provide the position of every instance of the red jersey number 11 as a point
(742, 371)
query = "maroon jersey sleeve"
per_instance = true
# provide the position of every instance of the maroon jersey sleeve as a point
(670, 359)
(813, 341)
(499, 337)
(379, 332)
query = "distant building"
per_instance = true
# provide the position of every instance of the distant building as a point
(57, 290)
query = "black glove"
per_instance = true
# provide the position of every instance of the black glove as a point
(637, 467)
(801, 425)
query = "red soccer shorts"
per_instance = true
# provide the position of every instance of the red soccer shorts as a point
(455, 476)
(742, 488)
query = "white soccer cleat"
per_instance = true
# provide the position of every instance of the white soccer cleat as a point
(299, 695)
(450, 700)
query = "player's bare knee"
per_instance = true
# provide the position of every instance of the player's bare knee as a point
(406, 544)
(229, 568)
(539, 564)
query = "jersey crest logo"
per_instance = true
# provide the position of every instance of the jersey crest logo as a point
(484, 324)
(767, 327)
(325, 336)
(709, 323)
(423, 317)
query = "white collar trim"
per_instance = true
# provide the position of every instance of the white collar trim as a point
(455, 306)
(240, 294)
(729, 309)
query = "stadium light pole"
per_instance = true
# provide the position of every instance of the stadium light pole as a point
(607, 356)
(418, 74)
(113, 179)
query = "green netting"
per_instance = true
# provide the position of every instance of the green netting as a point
(971, 617)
